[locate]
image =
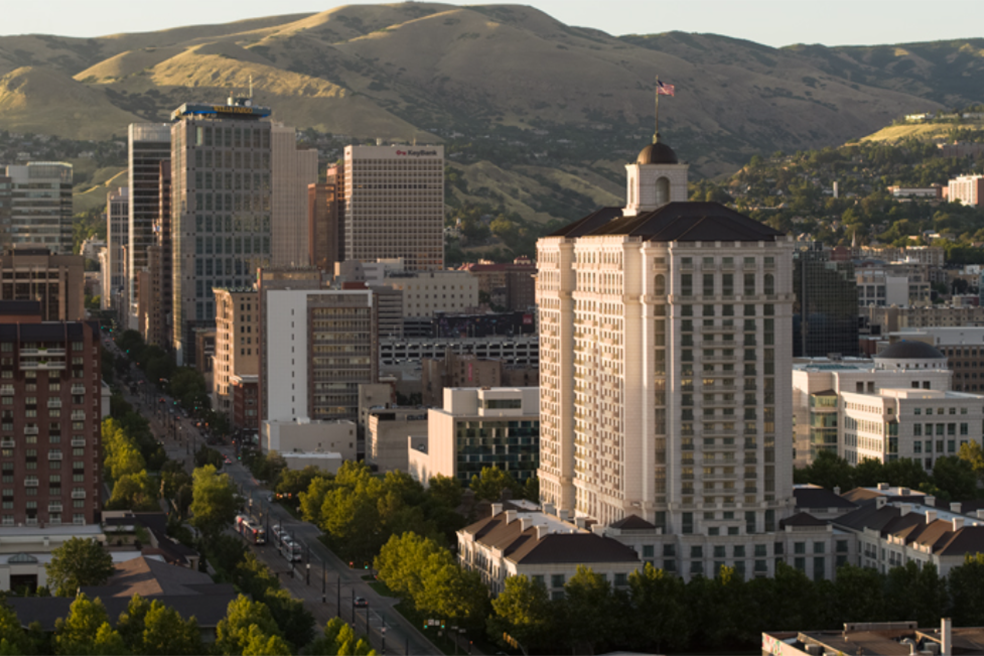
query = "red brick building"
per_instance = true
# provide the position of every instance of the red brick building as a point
(50, 416)
(245, 402)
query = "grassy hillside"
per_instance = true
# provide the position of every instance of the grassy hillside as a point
(544, 114)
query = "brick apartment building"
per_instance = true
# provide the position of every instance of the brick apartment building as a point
(50, 415)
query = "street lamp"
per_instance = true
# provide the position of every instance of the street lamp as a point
(324, 581)
(309, 574)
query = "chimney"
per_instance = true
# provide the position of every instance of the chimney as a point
(496, 509)
(929, 501)
(882, 487)
(580, 523)
(510, 516)
(955, 507)
(837, 490)
(548, 509)
(904, 491)
(980, 514)
(525, 523)
(906, 508)
(930, 516)
(563, 514)
(946, 636)
(880, 502)
(958, 523)
(542, 530)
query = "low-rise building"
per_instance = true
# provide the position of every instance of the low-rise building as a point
(541, 546)
(876, 639)
(387, 432)
(306, 436)
(514, 349)
(963, 348)
(881, 408)
(481, 427)
(894, 526)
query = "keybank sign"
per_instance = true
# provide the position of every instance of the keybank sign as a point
(417, 153)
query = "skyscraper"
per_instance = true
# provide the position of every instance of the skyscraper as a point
(293, 170)
(664, 362)
(148, 145)
(393, 205)
(220, 208)
(41, 205)
(825, 313)
(117, 244)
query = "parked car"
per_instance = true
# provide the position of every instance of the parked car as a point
(360, 602)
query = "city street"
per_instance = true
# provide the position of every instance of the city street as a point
(325, 583)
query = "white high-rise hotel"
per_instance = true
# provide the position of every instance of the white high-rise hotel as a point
(665, 362)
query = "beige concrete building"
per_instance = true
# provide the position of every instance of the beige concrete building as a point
(867, 408)
(302, 436)
(477, 428)
(31, 273)
(387, 432)
(457, 370)
(292, 171)
(393, 204)
(893, 319)
(665, 351)
(426, 294)
(237, 342)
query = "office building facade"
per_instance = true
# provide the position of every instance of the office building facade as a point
(148, 145)
(825, 312)
(117, 245)
(220, 209)
(318, 346)
(41, 205)
(393, 204)
(237, 344)
(325, 242)
(56, 281)
(293, 170)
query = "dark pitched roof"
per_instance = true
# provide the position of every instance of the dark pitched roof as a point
(633, 523)
(206, 609)
(868, 515)
(579, 548)
(677, 221)
(818, 497)
(802, 519)
(523, 547)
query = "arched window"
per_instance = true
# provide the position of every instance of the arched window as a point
(662, 191)
(770, 284)
(659, 286)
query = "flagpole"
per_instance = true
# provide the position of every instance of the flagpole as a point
(656, 134)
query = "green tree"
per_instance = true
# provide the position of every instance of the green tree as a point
(965, 585)
(858, 593)
(973, 453)
(13, 639)
(661, 620)
(131, 623)
(134, 492)
(918, 593)
(313, 499)
(492, 481)
(108, 642)
(295, 621)
(827, 470)
(956, 477)
(78, 562)
(213, 505)
(232, 633)
(586, 609)
(445, 490)
(259, 643)
(522, 610)
(77, 633)
(166, 632)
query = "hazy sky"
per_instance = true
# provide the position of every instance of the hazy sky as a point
(772, 22)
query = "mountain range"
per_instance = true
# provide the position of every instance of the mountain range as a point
(569, 105)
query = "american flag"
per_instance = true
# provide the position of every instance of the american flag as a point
(665, 89)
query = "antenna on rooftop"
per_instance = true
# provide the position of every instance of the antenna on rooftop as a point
(251, 85)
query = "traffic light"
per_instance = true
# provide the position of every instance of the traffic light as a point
(425, 625)
(365, 565)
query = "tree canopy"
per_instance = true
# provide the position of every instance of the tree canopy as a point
(78, 562)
